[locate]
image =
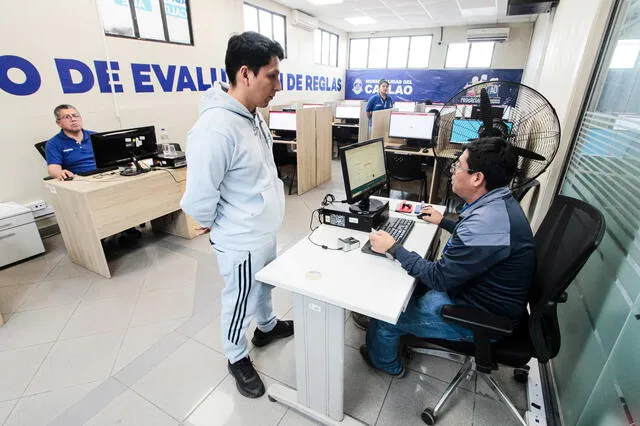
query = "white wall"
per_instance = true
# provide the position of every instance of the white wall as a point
(509, 54)
(574, 38)
(40, 31)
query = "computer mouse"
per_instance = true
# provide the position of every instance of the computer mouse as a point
(69, 178)
(421, 215)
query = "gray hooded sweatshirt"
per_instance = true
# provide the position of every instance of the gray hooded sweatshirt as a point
(232, 180)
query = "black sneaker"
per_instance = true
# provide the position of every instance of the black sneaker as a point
(361, 321)
(282, 329)
(248, 381)
(365, 354)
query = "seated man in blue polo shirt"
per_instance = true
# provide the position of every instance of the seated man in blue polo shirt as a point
(487, 264)
(70, 150)
(381, 100)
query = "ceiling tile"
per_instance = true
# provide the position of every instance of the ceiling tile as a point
(474, 4)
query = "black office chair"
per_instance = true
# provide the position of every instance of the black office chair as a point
(407, 168)
(570, 232)
(283, 156)
(41, 147)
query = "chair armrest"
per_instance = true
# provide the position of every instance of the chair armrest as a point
(474, 319)
(485, 327)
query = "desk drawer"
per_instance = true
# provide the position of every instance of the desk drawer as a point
(17, 220)
(19, 242)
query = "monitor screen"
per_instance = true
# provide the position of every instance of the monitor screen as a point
(405, 106)
(363, 168)
(347, 111)
(417, 125)
(279, 120)
(463, 131)
(119, 146)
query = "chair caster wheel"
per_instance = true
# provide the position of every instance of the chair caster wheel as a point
(428, 417)
(272, 399)
(521, 375)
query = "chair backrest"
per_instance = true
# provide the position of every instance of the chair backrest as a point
(41, 147)
(519, 193)
(404, 167)
(569, 233)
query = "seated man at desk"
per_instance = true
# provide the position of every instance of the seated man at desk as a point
(70, 151)
(381, 100)
(488, 263)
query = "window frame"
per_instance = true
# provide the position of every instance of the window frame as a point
(258, 9)
(470, 43)
(320, 47)
(165, 27)
(406, 65)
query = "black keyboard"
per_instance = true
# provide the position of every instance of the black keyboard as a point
(397, 227)
(405, 148)
(97, 171)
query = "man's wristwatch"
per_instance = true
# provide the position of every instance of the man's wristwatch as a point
(391, 253)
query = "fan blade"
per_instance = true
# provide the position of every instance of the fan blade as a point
(485, 109)
(527, 154)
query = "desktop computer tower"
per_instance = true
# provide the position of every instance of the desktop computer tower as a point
(340, 215)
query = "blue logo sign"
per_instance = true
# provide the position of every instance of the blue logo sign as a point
(420, 85)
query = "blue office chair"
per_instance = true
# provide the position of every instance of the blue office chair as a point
(570, 232)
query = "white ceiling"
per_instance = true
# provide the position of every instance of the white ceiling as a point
(404, 14)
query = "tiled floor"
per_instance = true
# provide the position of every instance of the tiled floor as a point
(143, 347)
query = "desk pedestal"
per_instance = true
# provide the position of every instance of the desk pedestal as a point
(319, 335)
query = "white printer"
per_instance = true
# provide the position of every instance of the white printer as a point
(19, 237)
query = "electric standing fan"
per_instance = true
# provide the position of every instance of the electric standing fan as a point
(515, 112)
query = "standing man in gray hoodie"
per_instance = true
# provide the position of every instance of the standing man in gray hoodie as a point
(234, 192)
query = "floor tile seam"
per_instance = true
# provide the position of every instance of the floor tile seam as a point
(204, 398)
(50, 350)
(149, 401)
(4, 422)
(53, 267)
(124, 335)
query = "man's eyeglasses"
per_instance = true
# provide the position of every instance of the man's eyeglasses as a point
(456, 165)
(69, 116)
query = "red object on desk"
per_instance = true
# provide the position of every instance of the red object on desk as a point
(404, 207)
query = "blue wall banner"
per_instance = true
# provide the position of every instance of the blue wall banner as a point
(76, 76)
(419, 84)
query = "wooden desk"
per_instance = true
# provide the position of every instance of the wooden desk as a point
(94, 207)
(325, 283)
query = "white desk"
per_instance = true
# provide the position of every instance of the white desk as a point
(325, 283)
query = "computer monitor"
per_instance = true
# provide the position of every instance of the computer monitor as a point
(280, 120)
(121, 147)
(403, 106)
(464, 131)
(496, 112)
(348, 111)
(364, 172)
(416, 127)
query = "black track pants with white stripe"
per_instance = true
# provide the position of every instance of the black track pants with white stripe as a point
(244, 298)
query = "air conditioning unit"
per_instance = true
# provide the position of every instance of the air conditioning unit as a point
(530, 7)
(304, 21)
(488, 34)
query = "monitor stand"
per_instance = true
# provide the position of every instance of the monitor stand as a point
(366, 206)
(138, 170)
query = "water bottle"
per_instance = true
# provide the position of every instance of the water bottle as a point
(164, 136)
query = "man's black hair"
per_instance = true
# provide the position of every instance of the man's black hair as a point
(251, 49)
(56, 110)
(495, 159)
(428, 102)
(382, 81)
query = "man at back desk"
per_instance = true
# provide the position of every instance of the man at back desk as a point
(488, 263)
(70, 151)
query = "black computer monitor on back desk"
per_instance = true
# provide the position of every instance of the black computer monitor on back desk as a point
(122, 147)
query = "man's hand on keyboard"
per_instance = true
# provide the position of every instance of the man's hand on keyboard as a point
(381, 241)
